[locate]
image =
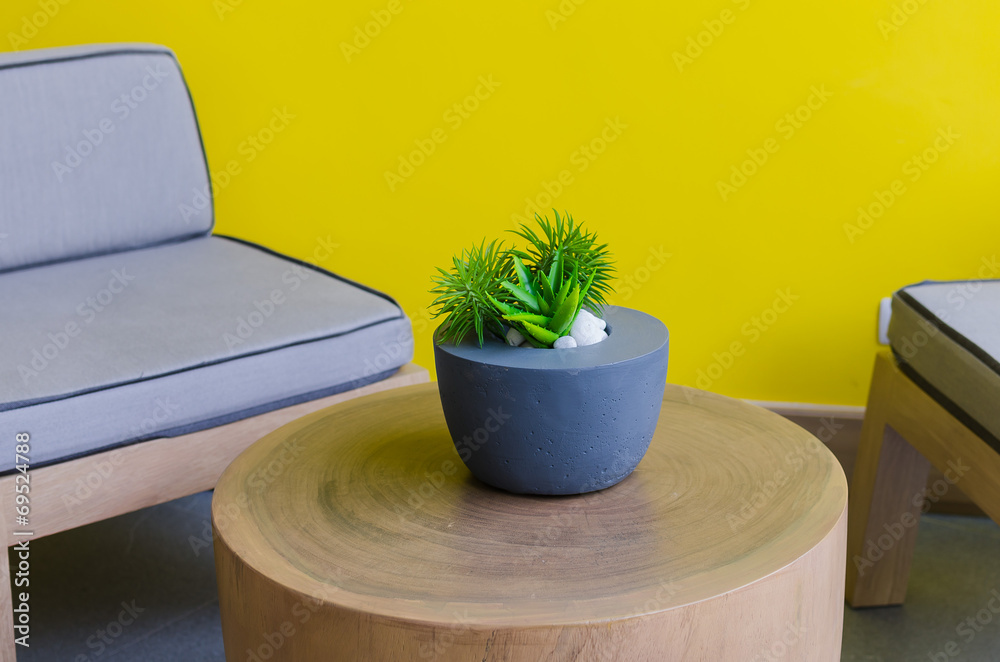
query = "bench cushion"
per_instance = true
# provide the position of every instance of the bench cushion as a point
(101, 153)
(946, 336)
(162, 341)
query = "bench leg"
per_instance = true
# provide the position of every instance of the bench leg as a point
(7, 649)
(885, 501)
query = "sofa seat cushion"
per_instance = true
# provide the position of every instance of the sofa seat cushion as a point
(162, 341)
(946, 336)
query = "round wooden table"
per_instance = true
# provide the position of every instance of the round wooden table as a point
(356, 533)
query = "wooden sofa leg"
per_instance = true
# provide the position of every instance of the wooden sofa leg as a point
(885, 501)
(7, 646)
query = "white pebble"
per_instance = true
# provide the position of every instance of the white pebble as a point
(514, 337)
(589, 336)
(601, 324)
(585, 330)
(565, 342)
(582, 325)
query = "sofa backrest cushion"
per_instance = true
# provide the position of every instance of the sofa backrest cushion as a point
(100, 152)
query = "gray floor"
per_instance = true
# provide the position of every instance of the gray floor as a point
(142, 587)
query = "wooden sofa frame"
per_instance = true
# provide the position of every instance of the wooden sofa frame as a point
(905, 431)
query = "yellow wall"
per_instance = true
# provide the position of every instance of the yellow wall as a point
(562, 74)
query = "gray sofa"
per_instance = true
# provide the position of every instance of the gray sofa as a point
(123, 318)
(140, 352)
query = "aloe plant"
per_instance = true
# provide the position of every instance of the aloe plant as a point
(538, 292)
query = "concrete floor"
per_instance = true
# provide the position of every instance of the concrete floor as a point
(142, 587)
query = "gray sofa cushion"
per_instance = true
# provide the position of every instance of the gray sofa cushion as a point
(947, 338)
(101, 153)
(165, 340)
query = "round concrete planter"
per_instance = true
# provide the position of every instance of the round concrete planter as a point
(556, 421)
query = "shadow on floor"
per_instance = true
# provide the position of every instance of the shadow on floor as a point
(136, 587)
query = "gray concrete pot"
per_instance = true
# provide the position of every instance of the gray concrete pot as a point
(555, 421)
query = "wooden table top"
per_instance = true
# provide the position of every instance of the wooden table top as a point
(367, 505)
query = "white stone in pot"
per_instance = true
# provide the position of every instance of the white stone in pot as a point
(565, 342)
(587, 315)
(588, 329)
(514, 337)
(590, 337)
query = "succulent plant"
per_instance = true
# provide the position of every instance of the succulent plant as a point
(539, 292)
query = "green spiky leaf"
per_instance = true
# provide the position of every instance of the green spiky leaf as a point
(566, 313)
(522, 295)
(555, 271)
(523, 277)
(540, 320)
(504, 308)
(564, 291)
(542, 335)
(586, 288)
(535, 343)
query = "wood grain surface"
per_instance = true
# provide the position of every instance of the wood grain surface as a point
(356, 533)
